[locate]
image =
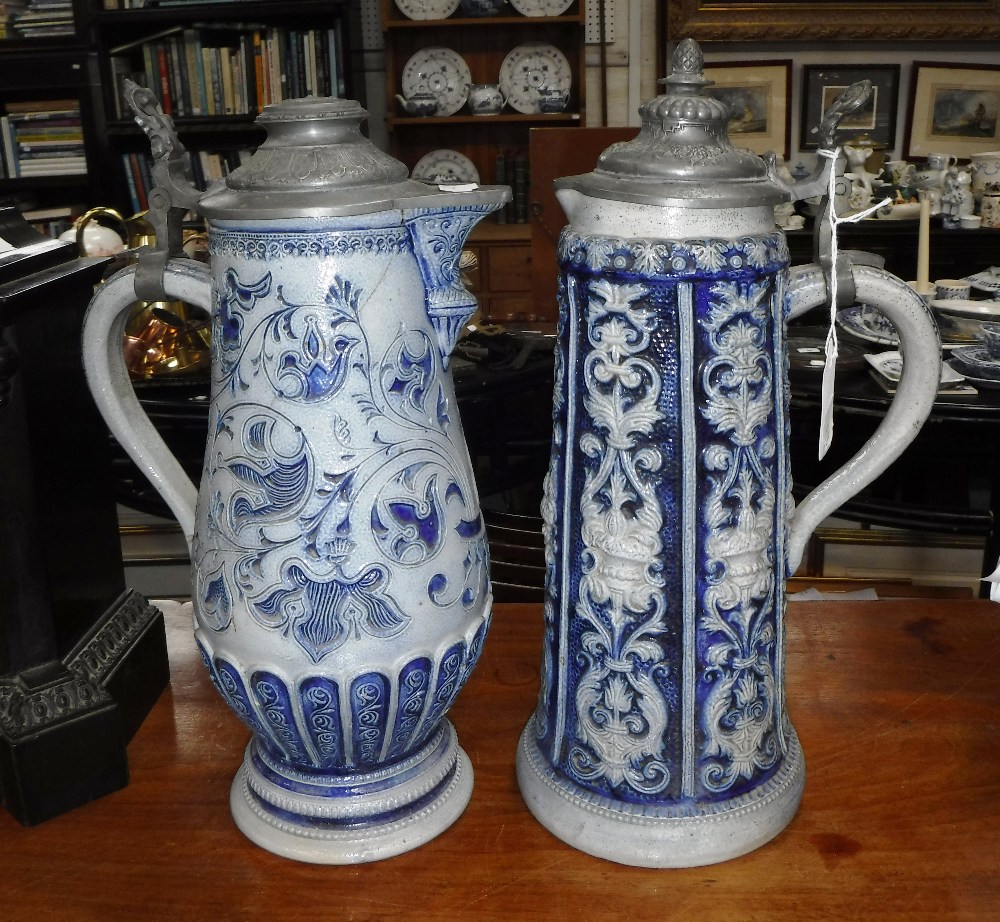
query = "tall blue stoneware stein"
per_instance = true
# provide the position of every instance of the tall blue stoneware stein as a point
(661, 736)
(340, 569)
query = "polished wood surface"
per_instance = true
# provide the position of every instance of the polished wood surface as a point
(896, 704)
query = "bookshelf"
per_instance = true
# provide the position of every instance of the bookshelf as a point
(46, 71)
(214, 66)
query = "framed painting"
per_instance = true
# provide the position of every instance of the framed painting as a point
(758, 94)
(954, 109)
(823, 83)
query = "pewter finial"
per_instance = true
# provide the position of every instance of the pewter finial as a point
(688, 65)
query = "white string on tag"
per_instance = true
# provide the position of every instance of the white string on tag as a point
(831, 346)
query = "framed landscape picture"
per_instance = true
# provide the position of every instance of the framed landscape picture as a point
(758, 94)
(954, 109)
(823, 83)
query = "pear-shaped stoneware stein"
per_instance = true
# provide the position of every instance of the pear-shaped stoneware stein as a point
(661, 737)
(340, 586)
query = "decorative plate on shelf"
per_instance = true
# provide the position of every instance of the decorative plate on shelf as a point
(541, 7)
(529, 70)
(427, 9)
(445, 166)
(441, 72)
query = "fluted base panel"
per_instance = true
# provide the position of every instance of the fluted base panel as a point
(656, 837)
(352, 819)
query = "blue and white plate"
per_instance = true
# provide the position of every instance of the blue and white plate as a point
(441, 72)
(868, 324)
(976, 361)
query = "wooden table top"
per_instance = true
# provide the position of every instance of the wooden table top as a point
(897, 704)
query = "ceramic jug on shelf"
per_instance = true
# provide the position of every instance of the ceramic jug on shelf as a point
(340, 584)
(661, 736)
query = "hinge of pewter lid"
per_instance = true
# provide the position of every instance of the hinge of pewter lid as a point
(171, 197)
(818, 184)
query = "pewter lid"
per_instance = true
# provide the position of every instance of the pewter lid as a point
(315, 162)
(682, 154)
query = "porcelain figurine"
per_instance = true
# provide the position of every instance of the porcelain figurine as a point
(661, 736)
(340, 583)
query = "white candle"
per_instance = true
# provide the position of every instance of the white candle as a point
(924, 244)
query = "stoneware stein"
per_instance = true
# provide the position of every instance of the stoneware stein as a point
(486, 99)
(340, 583)
(660, 736)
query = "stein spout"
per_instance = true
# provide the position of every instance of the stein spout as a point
(438, 232)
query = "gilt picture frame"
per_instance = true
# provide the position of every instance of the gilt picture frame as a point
(759, 95)
(848, 20)
(823, 83)
(953, 109)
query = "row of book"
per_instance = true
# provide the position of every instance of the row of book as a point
(225, 70)
(44, 18)
(204, 167)
(148, 4)
(511, 169)
(42, 138)
(8, 10)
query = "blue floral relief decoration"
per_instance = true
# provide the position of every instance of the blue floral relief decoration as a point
(283, 513)
(323, 615)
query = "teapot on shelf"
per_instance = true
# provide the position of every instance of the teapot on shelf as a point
(486, 99)
(339, 560)
(419, 104)
(660, 736)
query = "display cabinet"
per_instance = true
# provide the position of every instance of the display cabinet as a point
(526, 54)
(214, 65)
(542, 45)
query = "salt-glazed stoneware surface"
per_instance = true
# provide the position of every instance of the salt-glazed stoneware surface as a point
(661, 736)
(340, 567)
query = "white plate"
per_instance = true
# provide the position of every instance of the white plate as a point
(530, 68)
(973, 310)
(541, 7)
(445, 166)
(890, 366)
(439, 71)
(427, 9)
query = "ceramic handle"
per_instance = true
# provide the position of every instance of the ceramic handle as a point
(921, 348)
(104, 361)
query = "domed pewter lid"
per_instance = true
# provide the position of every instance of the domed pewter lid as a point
(315, 162)
(682, 154)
